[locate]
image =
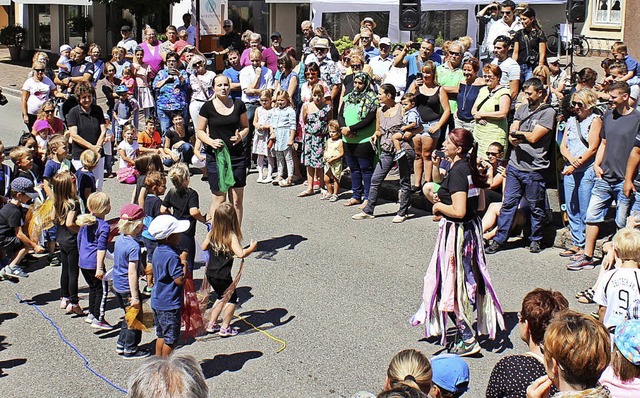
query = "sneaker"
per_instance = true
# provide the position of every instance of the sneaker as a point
(90, 318)
(494, 247)
(147, 291)
(535, 247)
(583, 262)
(74, 309)
(260, 180)
(464, 349)
(64, 303)
(398, 155)
(277, 180)
(362, 216)
(267, 180)
(333, 198)
(119, 349)
(227, 332)
(136, 354)
(13, 272)
(212, 327)
(102, 325)
(398, 219)
(54, 260)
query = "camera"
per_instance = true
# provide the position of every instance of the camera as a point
(3, 100)
(440, 154)
(419, 75)
(415, 45)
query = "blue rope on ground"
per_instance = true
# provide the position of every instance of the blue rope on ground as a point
(64, 340)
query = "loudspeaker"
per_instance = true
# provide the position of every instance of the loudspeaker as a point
(410, 13)
(576, 11)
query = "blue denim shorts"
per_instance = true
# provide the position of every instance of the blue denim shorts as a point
(602, 195)
(167, 325)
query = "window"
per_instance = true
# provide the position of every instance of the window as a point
(348, 23)
(73, 36)
(448, 24)
(252, 15)
(302, 14)
(607, 12)
(43, 26)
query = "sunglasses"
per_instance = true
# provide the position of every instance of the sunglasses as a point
(493, 153)
(577, 104)
(190, 50)
(320, 50)
(199, 64)
(456, 54)
(506, 13)
(365, 37)
(39, 70)
(49, 111)
(226, 26)
(356, 66)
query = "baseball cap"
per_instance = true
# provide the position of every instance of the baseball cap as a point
(65, 47)
(450, 372)
(553, 60)
(385, 40)
(627, 339)
(125, 28)
(277, 35)
(164, 225)
(131, 212)
(227, 22)
(322, 43)
(25, 186)
(40, 125)
(121, 89)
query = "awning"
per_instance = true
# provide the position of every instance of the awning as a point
(5, 2)
(287, 1)
(55, 2)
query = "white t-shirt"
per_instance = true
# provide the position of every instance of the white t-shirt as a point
(618, 290)
(39, 93)
(510, 70)
(130, 150)
(247, 74)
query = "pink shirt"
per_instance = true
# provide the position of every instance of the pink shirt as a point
(617, 388)
(153, 59)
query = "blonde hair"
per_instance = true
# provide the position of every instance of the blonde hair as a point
(55, 142)
(65, 196)
(627, 244)
(587, 96)
(410, 368)
(580, 346)
(430, 66)
(179, 176)
(334, 124)
(18, 153)
(129, 127)
(466, 41)
(128, 227)
(89, 158)
(544, 71)
(223, 228)
(97, 202)
(619, 47)
(266, 93)
(283, 94)
(127, 71)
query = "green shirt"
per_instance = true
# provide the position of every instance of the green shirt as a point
(450, 78)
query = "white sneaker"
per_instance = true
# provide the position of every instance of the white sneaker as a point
(362, 216)
(398, 219)
(260, 180)
(267, 180)
(90, 318)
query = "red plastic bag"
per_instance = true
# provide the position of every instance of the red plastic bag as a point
(191, 315)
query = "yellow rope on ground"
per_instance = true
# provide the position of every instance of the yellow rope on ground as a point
(269, 335)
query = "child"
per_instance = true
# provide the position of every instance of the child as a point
(223, 242)
(315, 115)
(410, 121)
(145, 164)
(155, 184)
(28, 141)
(183, 202)
(170, 271)
(333, 153)
(128, 152)
(15, 244)
(42, 131)
(128, 80)
(107, 148)
(125, 111)
(619, 287)
(5, 178)
(283, 131)
(622, 377)
(66, 208)
(63, 62)
(619, 52)
(22, 159)
(93, 238)
(119, 60)
(85, 179)
(149, 139)
(126, 255)
(142, 71)
(261, 122)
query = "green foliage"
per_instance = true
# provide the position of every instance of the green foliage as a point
(439, 39)
(343, 43)
(80, 24)
(140, 9)
(12, 35)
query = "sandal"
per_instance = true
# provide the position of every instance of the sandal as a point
(306, 193)
(212, 327)
(586, 296)
(570, 251)
(352, 202)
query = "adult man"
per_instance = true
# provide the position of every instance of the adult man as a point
(366, 42)
(383, 62)
(307, 35)
(484, 53)
(508, 25)
(620, 129)
(127, 42)
(531, 138)
(450, 74)
(270, 54)
(328, 70)
(233, 73)
(558, 80)
(191, 30)
(253, 79)
(81, 71)
(414, 62)
(172, 43)
(230, 40)
(370, 24)
(510, 68)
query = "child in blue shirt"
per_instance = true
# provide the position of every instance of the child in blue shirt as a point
(85, 179)
(156, 184)
(169, 270)
(619, 52)
(125, 111)
(126, 256)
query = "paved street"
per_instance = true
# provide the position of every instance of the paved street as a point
(338, 292)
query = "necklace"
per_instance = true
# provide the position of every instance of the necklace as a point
(465, 95)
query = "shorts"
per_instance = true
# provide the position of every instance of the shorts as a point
(239, 167)
(425, 131)
(167, 325)
(220, 285)
(51, 234)
(11, 246)
(602, 194)
(150, 245)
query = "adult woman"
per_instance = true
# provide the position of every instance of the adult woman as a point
(228, 126)
(106, 89)
(397, 76)
(286, 79)
(94, 58)
(171, 85)
(467, 93)
(356, 64)
(312, 74)
(35, 91)
(576, 352)
(389, 122)
(47, 112)
(357, 118)
(142, 71)
(41, 56)
(177, 142)
(512, 374)
(87, 129)
(495, 166)
(529, 44)
(580, 142)
(457, 279)
(201, 85)
(433, 105)
(490, 110)
(255, 41)
(151, 49)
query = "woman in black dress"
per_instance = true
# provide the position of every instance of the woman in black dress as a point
(227, 124)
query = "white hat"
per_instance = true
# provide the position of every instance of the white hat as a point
(164, 225)
(321, 43)
(65, 47)
(385, 40)
(553, 60)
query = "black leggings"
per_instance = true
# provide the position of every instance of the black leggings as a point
(70, 273)
(98, 291)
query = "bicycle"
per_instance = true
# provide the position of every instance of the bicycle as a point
(579, 44)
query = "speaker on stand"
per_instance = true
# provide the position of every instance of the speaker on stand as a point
(410, 14)
(576, 13)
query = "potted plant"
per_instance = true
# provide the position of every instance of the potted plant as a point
(13, 36)
(80, 24)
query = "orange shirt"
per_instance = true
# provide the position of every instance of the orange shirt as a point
(151, 142)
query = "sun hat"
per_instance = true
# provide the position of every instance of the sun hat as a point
(164, 225)
(25, 186)
(627, 339)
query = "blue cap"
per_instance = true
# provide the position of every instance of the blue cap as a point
(121, 89)
(451, 373)
(627, 339)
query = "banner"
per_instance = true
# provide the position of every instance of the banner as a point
(212, 13)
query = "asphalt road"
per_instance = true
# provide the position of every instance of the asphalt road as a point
(337, 292)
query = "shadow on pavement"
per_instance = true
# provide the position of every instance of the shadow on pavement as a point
(11, 363)
(227, 363)
(267, 249)
(502, 342)
(5, 316)
(258, 318)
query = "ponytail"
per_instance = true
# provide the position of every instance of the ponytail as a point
(479, 179)
(86, 219)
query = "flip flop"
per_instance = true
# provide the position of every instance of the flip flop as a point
(570, 251)
(352, 202)
(306, 193)
(586, 296)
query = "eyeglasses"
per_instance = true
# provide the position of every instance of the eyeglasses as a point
(493, 153)
(320, 50)
(198, 64)
(576, 104)
(488, 77)
(455, 54)
(365, 37)
(356, 66)
(226, 26)
(49, 111)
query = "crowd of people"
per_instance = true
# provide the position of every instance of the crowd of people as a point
(475, 134)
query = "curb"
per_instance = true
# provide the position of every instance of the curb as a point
(12, 91)
(389, 191)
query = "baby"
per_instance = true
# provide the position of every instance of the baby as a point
(410, 121)
(64, 62)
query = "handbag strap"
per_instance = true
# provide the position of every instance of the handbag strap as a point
(582, 139)
(206, 94)
(529, 116)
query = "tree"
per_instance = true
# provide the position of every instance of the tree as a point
(140, 9)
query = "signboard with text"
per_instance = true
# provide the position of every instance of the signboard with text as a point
(212, 13)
